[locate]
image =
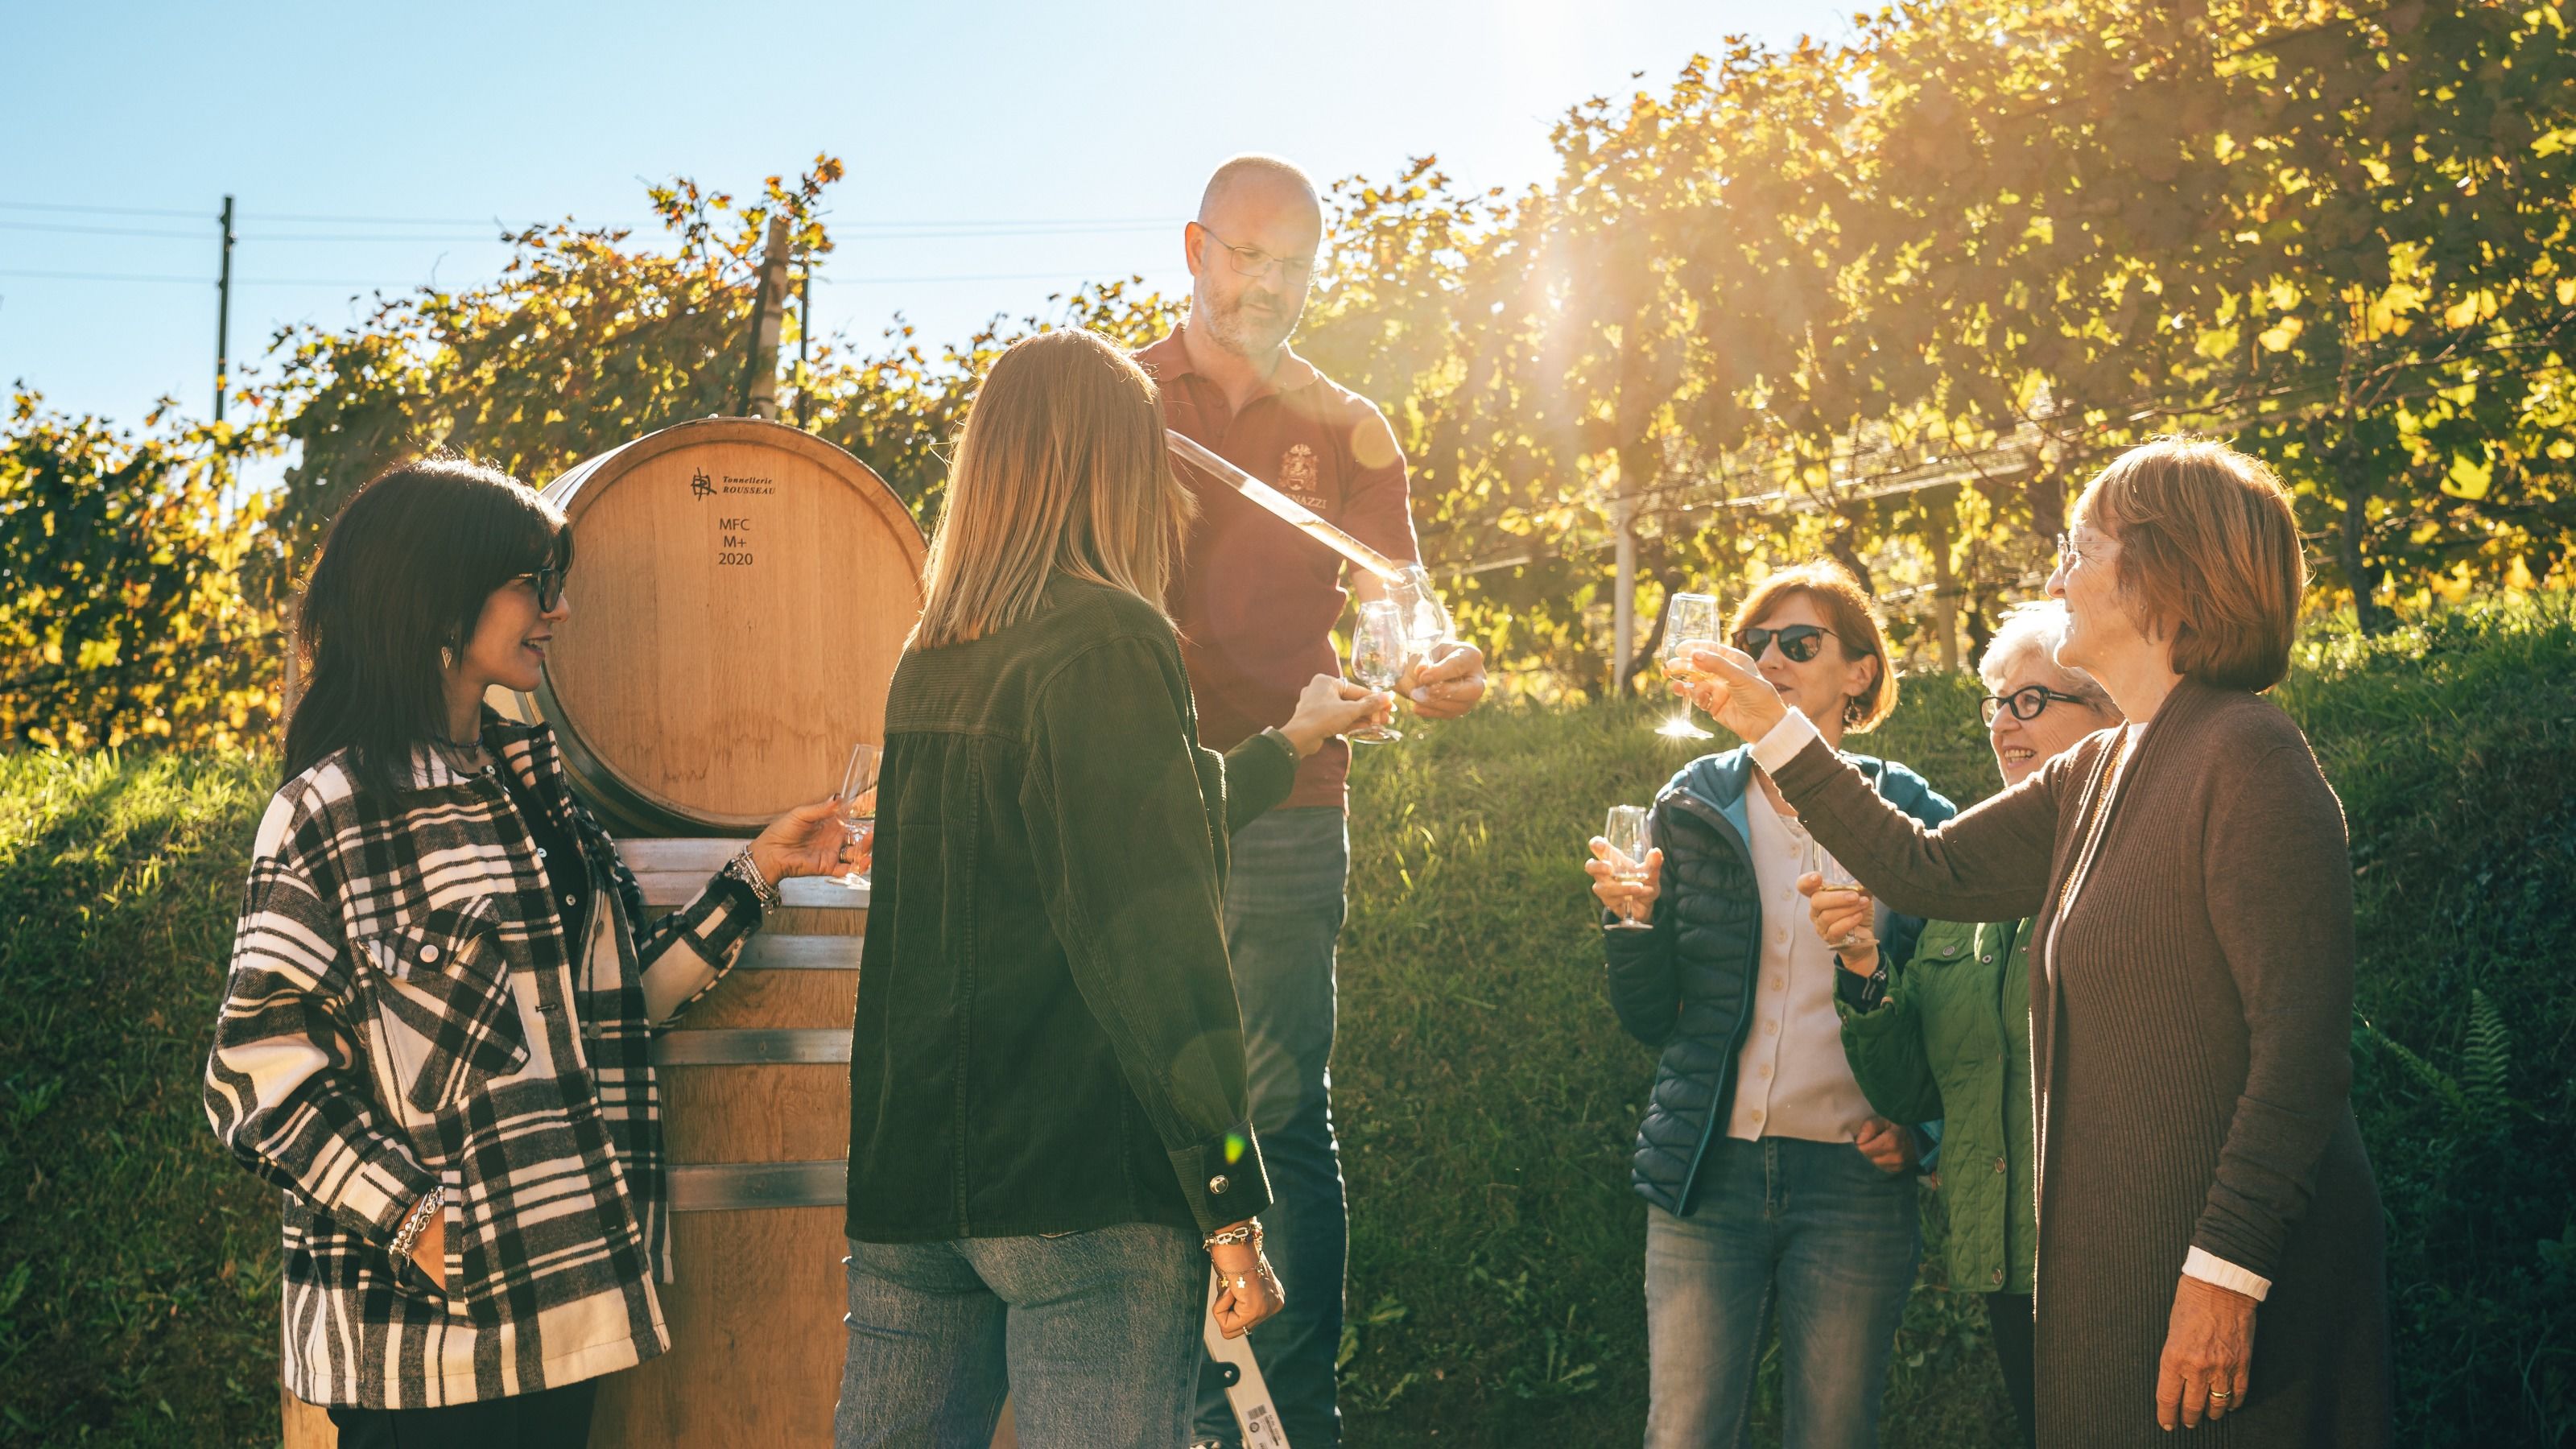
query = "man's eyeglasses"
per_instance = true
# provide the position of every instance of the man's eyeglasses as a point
(549, 583)
(1798, 642)
(1254, 262)
(2027, 703)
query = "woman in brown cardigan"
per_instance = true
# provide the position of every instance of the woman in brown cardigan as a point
(2191, 990)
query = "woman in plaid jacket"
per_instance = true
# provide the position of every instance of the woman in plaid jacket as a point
(435, 1036)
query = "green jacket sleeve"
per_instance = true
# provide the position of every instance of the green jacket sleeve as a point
(1885, 1049)
(1120, 839)
(1259, 773)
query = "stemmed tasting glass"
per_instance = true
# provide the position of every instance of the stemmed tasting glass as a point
(1629, 841)
(1379, 646)
(1691, 623)
(1836, 877)
(858, 802)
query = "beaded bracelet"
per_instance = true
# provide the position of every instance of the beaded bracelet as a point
(747, 870)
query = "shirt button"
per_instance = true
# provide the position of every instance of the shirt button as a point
(1988, 958)
(1217, 1185)
(1764, 1069)
(568, 898)
(429, 953)
(1999, 1275)
(1776, 983)
(541, 852)
(1771, 1027)
(1999, 1164)
(1757, 1114)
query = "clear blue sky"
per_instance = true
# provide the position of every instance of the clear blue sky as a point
(1108, 115)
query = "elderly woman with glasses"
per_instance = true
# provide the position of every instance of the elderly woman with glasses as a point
(2191, 977)
(1950, 1038)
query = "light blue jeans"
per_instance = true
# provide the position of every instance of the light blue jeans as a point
(1283, 914)
(1809, 1233)
(1093, 1336)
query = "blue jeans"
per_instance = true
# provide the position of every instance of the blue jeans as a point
(1093, 1336)
(1283, 912)
(1808, 1228)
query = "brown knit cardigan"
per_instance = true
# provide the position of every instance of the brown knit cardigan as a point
(2191, 1057)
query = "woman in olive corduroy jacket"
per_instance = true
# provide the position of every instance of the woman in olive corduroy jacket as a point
(1048, 1118)
(2191, 986)
(1949, 1040)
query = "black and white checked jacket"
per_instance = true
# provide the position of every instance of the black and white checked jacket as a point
(407, 1007)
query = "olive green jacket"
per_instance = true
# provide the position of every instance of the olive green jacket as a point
(1046, 1038)
(1952, 1042)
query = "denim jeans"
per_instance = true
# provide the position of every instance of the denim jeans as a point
(1094, 1337)
(1807, 1232)
(1283, 912)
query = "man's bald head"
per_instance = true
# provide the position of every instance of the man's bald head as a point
(1265, 181)
(1252, 254)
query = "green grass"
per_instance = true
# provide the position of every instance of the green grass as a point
(1485, 1096)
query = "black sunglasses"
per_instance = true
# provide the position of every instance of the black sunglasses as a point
(1798, 642)
(2028, 702)
(550, 586)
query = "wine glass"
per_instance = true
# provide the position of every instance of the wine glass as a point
(1690, 623)
(1837, 877)
(857, 798)
(1378, 649)
(1627, 833)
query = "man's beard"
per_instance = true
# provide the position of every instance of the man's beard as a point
(1237, 333)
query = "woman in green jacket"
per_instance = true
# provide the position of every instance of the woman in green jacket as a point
(1049, 1134)
(1950, 1039)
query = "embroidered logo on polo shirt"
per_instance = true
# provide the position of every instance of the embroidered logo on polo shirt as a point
(1298, 478)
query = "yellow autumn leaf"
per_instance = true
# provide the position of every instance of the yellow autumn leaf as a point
(2278, 337)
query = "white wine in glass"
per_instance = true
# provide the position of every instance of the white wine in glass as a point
(1378, 649)
(858, 801)
(1628, 834)
(1691, 623)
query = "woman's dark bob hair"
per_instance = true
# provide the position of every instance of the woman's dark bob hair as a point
(404, 574)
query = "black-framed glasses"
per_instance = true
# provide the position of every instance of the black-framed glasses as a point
(1798, 642)
(1254, 262)
(2027, 703)
(549, 582)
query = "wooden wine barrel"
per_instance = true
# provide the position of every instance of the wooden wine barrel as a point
(741, 590)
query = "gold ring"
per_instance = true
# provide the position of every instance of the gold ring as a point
(2220, 1394)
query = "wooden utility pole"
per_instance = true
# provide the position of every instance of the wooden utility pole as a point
(224, 313)
(759, 391)
(804, 340)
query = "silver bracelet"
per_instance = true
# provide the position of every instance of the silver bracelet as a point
(1249, 1232)
(407, 1237)
(747, 870)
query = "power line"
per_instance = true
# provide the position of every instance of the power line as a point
(99, 210)
(97, 230)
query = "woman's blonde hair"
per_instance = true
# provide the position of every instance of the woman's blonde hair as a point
(2209, 556)
(1061, 468)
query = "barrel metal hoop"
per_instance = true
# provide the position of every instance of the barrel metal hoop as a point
(752, 1047)
(765, 952)
(733, 1186)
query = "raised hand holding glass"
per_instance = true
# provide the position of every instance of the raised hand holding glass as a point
(1690, 622)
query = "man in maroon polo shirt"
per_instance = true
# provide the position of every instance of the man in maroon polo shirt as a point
(1256, 602)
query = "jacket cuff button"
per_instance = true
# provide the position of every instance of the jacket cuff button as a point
(1217, 1185)
(429, 953)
